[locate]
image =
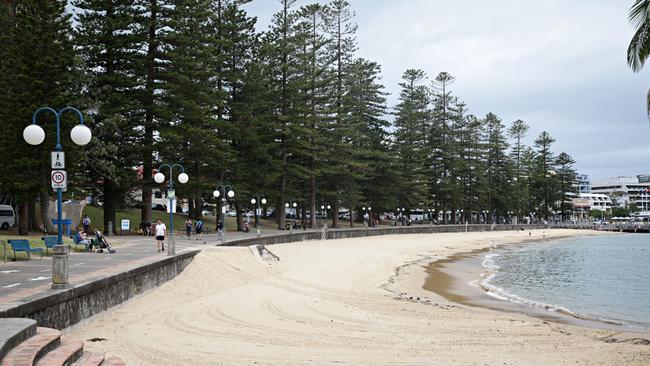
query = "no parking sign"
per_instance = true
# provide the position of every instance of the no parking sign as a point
(59, 179)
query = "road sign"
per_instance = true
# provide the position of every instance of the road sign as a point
(59, 179)
(58, 160)
(126, 225)
(171, 193)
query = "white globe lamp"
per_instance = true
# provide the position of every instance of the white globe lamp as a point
(216, 193)
(183, 178)
(81, 135)
(264, 201)
(34, 134)
(159, 177)
(231, 194)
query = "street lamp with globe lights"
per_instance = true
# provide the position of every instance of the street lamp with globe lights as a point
(294, 204)
(223, 191)
(80, 135)
(257, 201)
(171, 194)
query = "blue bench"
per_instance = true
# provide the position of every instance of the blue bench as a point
(22, 245)
(50, 242)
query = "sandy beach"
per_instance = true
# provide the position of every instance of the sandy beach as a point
(351, 301)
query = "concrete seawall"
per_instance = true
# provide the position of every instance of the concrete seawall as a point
(62, 308)
(360, 232)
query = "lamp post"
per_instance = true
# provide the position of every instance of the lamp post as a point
(294, 204)
(221, 192)
(80, 135)
(182, 178)
(322, 207)
(256, 201)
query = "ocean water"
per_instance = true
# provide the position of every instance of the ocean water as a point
(603, 278)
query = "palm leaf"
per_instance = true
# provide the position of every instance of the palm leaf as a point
(639, 48)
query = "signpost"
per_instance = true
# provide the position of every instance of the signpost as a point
(58, 160)
(126, 225)
(59, 179)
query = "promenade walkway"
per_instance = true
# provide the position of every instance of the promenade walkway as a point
(22, 280)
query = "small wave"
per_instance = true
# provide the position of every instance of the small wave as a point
(503, 295)
(489, 262)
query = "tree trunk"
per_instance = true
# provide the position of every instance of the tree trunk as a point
(33, 221)
(44, 199)
(147, 152)
(191, 212)
(240, 223)
(335, 215)
(351, 218)
(280, 206)
(23, 218)
(110, 207)
(312, 203)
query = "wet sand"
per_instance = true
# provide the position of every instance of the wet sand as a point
(352, 301)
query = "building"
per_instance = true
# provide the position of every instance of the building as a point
(583, 184)
(626, 191)
(586, 202)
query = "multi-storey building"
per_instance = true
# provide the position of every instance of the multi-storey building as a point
(628, 191)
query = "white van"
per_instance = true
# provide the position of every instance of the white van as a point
(7, 217)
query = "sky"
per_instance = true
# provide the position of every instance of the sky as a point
(559, 65)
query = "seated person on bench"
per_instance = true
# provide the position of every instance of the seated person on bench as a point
(83, 239)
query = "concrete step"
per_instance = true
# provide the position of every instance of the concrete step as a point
(90, 359)
(113, 361)
(14, 331)
(31, 350)
(65, 354)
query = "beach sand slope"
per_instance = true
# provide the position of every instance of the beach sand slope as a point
(337, 302)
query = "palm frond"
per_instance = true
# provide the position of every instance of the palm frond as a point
(639, 12)
(639, 48)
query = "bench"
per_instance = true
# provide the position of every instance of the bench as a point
(22, 245)
(50, 242)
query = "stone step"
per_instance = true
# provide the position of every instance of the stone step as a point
(64, 355)
(90, 359)
(34, 348)
(14, 331)
(113, 361)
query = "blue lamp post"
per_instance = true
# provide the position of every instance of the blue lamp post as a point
(222, 191)
(256, 200)
(182, 178)
(80, 135)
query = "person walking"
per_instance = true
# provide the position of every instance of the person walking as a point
(188, 228)
(198, 228)
(161, 230)
(85, 223)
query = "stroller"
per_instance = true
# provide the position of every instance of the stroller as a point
(101, 243)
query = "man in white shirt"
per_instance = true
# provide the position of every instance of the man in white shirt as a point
(161, 230)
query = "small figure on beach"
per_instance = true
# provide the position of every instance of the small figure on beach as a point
(188, 228)
(198, 228)
(85, 223)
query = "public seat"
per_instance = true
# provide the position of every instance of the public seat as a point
(50, 242)
(22, 245)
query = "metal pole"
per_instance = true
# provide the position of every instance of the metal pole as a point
(223, 215)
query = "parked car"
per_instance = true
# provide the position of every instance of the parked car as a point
(231, 213)
(7, 217)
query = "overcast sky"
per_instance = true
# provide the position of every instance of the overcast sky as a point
(557, 64)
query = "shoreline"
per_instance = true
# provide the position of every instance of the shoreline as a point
(339, 301)
(460, 279)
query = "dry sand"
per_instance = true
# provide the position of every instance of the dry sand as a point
(338, 302)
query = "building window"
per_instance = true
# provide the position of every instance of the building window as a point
(157, 194)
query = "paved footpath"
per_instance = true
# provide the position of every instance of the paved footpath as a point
(23, 279)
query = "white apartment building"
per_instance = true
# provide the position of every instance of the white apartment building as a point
(626, 190)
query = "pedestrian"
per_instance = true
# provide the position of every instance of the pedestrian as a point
(220, 236)
(188, 228)
(161, 230)
(198, 228)
(85, 223)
